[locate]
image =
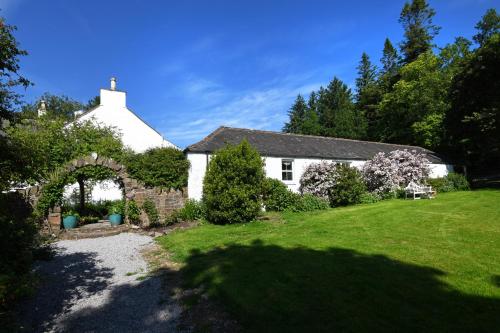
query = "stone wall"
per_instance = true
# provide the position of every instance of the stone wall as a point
(166, 201)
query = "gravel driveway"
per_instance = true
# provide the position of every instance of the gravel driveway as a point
(99, 285)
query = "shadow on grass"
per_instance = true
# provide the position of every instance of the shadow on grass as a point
(270, 288)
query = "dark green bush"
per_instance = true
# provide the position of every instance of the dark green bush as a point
(233, 184)
(162, 167)
(349, 186)
(17, 235)
(133, 212)
(276, 195)
(449, 183)
(192, 210)
(150, 208)
(459, 181)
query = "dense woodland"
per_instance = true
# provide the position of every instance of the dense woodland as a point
(445, 98)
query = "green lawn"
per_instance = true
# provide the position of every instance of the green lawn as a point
(425, 265)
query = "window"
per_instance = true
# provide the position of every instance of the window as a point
(286, 170)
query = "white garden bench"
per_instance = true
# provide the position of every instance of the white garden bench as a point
(416, 191)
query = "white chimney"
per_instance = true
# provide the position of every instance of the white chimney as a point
(113, 83)
(112, 97)
(42, 110)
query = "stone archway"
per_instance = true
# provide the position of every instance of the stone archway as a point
(165, 200)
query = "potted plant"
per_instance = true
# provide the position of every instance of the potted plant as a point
(70, 219)
(116, 213)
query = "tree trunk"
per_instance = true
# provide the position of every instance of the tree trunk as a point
(81, 184)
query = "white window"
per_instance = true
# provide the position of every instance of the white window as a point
(287, 170)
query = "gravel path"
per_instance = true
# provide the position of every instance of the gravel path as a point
(99, 285)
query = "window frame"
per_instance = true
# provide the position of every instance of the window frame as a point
(287, 171)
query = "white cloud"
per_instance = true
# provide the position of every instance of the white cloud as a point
(264, 107)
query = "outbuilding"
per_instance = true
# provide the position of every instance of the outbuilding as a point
(286, 156)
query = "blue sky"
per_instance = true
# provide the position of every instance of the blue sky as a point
(191, 66)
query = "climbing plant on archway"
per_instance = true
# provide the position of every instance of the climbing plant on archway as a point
(80, 170)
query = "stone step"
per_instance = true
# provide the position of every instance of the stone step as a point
(94, 231)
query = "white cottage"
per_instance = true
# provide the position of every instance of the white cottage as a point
(113, 111)
(135, 133)
(287, 155)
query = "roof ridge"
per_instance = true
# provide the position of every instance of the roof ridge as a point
(316, 136)
(206, 138)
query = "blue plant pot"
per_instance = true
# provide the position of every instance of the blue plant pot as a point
(115, 219)
(70, 222)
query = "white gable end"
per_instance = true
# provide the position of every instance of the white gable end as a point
(135, 133)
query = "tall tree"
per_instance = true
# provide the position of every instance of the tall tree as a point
(368, 92)
(487, 27)
(9, 70)
(412, 112)
(416, 18)
(311, 125)
(296, 116)
(390, 59)
(11, 157)
(366, 74)
(337, 114)
(473, 121)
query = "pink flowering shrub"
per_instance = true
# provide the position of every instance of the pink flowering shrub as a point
(412, 166)
(317, 179)
(386, 173)
(380, 174)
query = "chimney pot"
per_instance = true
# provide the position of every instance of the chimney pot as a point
(113, 83)
(42, 111)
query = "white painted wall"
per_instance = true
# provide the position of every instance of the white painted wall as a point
(197, 169)
(273, 170)
(105, 190)
(135, 133)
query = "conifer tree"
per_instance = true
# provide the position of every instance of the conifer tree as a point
(296, 116)
(390, 59)
(416, 18)
(366, 75)
(487, 27)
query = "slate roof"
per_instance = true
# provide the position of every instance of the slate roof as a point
(278, 144)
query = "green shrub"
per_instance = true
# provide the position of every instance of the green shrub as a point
(133, 212)
(118, 207)
(162, 167)
(276, 195)
(459, 181)
(70, 212)
(309, 202)
(150, 208)
(233, 184)
(449, 183)
(348, 188)
(368, 198)
(17, 235)
(192, 210)
(173, 218)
